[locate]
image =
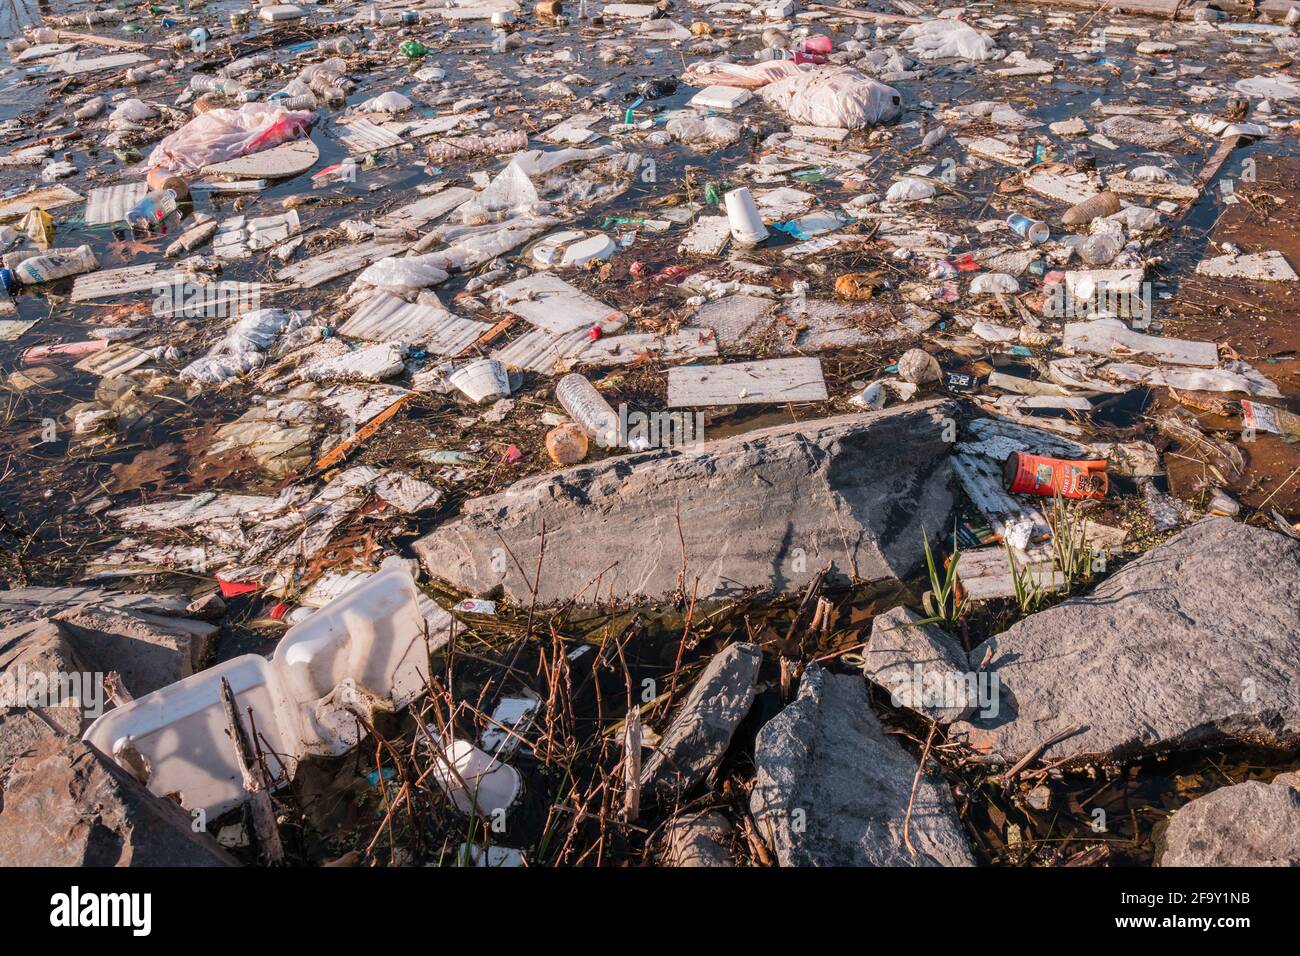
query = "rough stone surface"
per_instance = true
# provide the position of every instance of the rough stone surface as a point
(701, 732)
(28, 651)
(912, 661)
(1247, 824)
(698, 840)
(1194, 644)
(766, 510)
(65, 805)
(832, 789)
(147, 650)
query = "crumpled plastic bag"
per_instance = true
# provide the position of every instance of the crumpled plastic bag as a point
(471, 246)
(950, 39)
(751, 76)
(511, 191)
(240, 350)
(128, 113)
(712, 130)
(219, 135)
(838, 97)
(390, 102)
(1149, 174)
(910, 189)
(403, 275)
(988, 283)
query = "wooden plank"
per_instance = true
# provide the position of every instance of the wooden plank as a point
(51, 197)
(74, 67)
(747, 383)
(113, 43)
(110, 282)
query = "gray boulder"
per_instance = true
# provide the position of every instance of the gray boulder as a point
(66, 805)
(698, 840)
(1193, 644)
(1247, 824)
(832, 789)
(39, 693)
(701, 732)
(765, 510)
(920, 666)
(148, 651)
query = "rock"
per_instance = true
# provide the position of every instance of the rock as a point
(918, 367)
(1247, 824)
(148, 651)
(30, 654)
(40, 603)
(1130, 129)
(66, 805)
(766, 510)
(922, 667)
(698, 840)
(832, 789)
(1191, 645)
(701, 732)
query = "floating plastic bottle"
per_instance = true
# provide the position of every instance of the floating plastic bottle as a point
(588, 408)
(56, 265)
(215, 84)
(148, 214)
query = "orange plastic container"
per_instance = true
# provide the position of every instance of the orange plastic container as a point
(1039, 475)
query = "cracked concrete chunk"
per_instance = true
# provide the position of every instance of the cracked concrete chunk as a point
(1247, 824)
(765, 511)
(67, 805)
(1191, 645)
(832, 788)
(699, 735)
(921, 667)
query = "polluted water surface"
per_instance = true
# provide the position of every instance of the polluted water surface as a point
(482, 433)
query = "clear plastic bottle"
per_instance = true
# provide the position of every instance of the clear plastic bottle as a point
(215, 84)
(147, 215)
(56, 265)
(588, 408)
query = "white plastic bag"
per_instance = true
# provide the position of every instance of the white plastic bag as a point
(390, 102)
(219, 135)
(990, 282)
(950, 39)
(240, 350)
(403, 275)
(910, 189)
(710, 130)
(510, 191)
(838, 97)
(748, 75)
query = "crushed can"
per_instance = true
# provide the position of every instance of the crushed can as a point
(1026, 474)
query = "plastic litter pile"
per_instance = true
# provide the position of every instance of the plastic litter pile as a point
(288, 286)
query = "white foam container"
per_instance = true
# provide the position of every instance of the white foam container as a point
(747, 227)
(492, 785)
(481, 379)
(372, 638)
(721, 98)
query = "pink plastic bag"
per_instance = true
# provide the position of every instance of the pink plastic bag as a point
(219, 135)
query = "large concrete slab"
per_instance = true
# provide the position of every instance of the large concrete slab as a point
(765, 510)
(1194, 644)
